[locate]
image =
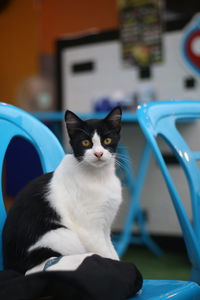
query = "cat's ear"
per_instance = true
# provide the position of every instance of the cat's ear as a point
(114, 117)
(72, 122)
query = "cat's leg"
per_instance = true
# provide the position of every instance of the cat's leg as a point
(111, 248)
(99, 243)
(105, 249)
(110, 245)
(61, 240)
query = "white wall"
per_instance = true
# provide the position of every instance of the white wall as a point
(110, 75)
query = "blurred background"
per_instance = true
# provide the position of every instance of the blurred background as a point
(149, 36)
(91, 55)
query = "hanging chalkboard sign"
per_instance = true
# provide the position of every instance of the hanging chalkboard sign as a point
(141, 31)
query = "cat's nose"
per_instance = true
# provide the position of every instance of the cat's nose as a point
(98, 154)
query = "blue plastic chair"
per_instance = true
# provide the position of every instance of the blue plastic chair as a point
(15, 122)
(159, 119)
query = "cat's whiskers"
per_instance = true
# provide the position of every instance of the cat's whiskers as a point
(122, 157)
(119, 164)
(80, 162)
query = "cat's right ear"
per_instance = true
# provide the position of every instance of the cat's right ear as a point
(72, 122)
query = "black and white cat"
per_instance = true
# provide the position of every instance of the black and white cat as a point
(70, 211)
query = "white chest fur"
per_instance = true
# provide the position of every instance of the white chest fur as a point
(85, 196)
(87, 200)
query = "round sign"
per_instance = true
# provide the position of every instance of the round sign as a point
(191, 45)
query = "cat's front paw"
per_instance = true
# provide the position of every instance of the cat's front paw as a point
(61, 263)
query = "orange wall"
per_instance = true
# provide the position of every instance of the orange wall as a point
(19, 46)
(62, 17)
(30, 27)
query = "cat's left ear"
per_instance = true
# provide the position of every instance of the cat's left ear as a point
(72, 122)
(114, 117)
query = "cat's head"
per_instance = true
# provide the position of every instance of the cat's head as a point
(94, 141)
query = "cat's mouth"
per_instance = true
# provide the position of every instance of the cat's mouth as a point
(98, 162)
(103, 161)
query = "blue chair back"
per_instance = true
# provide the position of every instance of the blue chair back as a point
(159, 119)
(15, 122)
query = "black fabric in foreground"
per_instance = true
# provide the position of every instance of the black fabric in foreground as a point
(96, 278)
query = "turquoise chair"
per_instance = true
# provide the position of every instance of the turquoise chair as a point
(159, 119)
(15, 122)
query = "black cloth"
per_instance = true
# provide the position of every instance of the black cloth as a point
(96, 278)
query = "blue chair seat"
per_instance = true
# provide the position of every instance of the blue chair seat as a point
(169, 290)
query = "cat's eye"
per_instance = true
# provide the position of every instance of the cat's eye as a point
(107, 141)
(86, 143)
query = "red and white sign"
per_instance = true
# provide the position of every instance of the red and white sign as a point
(191, 44)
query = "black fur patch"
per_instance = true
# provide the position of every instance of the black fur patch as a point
(29, 218)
